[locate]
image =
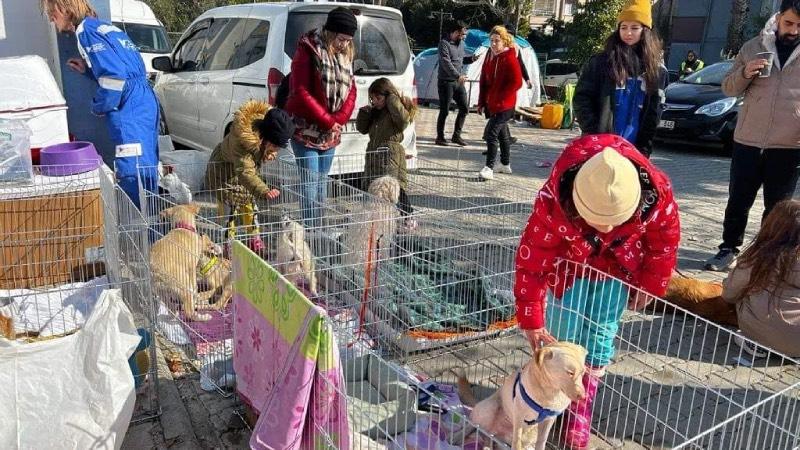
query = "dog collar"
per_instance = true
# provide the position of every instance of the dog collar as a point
(186, 226)
(543, 413)
(209, 265)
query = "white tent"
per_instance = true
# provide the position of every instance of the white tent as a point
(426, 68)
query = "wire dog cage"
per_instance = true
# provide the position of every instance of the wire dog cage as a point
(462, 246)
(65, 241)
(675, 380)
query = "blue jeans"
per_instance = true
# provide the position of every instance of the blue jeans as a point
(588, 314)
(316, 165)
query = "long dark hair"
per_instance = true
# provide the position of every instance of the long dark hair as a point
(384, 86)
(774, 252)
(630, 61)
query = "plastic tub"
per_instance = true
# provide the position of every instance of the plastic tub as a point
(69, 159)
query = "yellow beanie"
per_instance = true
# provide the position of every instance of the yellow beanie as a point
(637, 10)
(607, 189)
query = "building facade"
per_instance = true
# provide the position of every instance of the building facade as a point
(702, 26)
(543, 10)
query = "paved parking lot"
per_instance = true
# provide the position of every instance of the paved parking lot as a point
(194, 419)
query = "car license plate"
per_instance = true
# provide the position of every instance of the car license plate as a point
(667, 124)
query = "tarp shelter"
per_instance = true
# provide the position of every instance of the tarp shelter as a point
(426, 67)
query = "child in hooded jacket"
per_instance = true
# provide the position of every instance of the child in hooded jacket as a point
(384, 120)
(607, 206)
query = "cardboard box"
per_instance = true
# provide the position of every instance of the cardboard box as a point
(45, 240)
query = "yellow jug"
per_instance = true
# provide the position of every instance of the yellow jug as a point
(552, 116)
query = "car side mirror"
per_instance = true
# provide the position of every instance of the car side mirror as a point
(163, 63)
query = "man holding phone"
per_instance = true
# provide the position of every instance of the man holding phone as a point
(767, 138)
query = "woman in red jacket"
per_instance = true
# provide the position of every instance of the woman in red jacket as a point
(607, 206)
(322, 96)
(501, 78)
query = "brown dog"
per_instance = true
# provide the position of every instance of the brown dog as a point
(175, 260)
(703, 298)
(523, 410)
(215, 271)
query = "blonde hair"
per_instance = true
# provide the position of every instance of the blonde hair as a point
(505, 36)
(328, 37)
(76, 10)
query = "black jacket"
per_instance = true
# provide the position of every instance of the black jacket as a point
(594, 103)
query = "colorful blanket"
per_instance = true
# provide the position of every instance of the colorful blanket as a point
(286, 361)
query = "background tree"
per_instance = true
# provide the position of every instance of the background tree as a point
(176, 15)
(737, 27)
(547, 42)
(590, 28)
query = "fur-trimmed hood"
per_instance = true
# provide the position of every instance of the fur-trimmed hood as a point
(245, 124)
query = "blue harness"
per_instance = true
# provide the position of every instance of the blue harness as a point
(544, 413)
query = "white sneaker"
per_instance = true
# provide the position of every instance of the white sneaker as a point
(502, 168)
(486, 173)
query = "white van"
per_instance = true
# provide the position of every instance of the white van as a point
(232, 54)
(137, 20)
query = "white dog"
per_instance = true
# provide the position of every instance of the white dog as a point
(374, 224)
(293, 255)
(523, 410)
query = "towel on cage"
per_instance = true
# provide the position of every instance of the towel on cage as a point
(54, 311)
(286, 361)
(432, 294)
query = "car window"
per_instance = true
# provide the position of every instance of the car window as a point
(381, 43)
(254, 43)
(224, 36)
(188, 52)
(148, 38)
(711, 75)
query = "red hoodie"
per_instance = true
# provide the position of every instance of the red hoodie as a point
(501, 78)
(642, 251)
(307, 99)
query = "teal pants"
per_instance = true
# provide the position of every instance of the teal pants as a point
(588, 314)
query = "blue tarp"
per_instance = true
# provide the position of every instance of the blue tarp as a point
(474, 40)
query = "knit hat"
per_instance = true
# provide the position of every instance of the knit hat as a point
(606, 189)
(637, 10)
(341, 20)
(277, 127)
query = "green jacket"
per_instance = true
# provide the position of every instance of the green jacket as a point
(235, 162)
(385, 128)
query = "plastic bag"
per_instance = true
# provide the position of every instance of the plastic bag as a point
(16, 164)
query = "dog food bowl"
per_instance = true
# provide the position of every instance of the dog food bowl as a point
(69, 159)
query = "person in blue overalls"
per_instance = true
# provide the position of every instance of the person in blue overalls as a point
(124, 95)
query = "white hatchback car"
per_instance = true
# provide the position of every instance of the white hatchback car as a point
(232, 54)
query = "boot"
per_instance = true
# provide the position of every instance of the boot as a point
(577, 425)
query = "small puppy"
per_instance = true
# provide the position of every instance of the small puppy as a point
(375, 223)
(215, 271)
(703, 298)
(550, 381)
(293, 255)
(174, 261)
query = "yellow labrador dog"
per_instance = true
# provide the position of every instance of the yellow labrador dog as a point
(523, 410)
(175, 261)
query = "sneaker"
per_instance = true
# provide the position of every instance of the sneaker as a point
(486, 173)
(749, 348)
(502, 168)
(458, 141)
(722, 261)
(440, 141)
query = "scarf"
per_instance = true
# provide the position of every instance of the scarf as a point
(336, 72)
